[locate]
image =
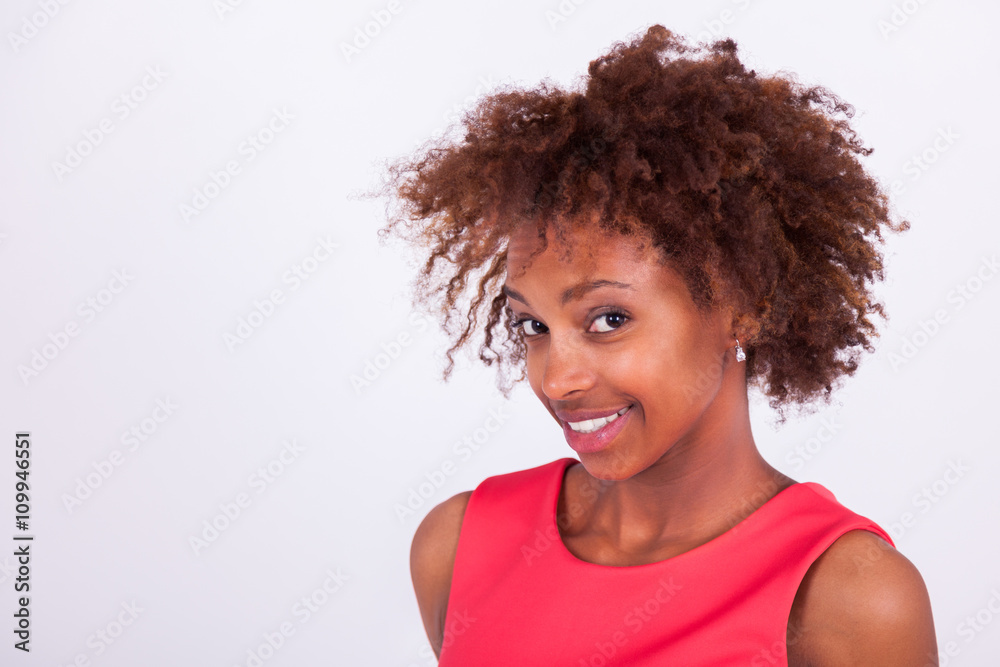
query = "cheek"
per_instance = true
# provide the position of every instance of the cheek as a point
(678, 369)
(702, 377)
(533, 367)
(635, 367)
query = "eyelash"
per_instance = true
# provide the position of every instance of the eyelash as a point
(519, 324)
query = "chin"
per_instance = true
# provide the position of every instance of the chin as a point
(608, 465)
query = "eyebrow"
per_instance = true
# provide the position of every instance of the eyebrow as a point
(574, 293)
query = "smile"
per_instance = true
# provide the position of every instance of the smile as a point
(591, 425)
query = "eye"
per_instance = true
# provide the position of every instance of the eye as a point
(614, 318)
(528, 326)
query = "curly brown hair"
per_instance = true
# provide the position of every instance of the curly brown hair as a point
(750, 185)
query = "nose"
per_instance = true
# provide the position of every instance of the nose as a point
(569, 368)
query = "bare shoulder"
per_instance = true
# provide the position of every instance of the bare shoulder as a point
(432, 560)
(861, 603)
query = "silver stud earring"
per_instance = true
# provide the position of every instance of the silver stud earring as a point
(740, 355)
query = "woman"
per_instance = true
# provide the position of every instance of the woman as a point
(650, 247)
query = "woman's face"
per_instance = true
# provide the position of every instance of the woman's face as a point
(617, 331)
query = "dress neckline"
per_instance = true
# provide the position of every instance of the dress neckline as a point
(552, 524)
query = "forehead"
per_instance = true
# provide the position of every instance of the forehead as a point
(581, 250)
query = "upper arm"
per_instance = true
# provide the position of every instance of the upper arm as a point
(862, 603)
(432, 560)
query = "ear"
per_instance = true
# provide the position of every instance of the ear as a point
(743, 326)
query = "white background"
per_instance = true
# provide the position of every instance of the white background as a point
(898, 427)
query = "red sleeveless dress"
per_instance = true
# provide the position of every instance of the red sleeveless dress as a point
(520, 598)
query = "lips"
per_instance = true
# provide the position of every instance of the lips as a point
(591, 425)
(600, 438)
(586, 415)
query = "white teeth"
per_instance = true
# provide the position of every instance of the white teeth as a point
(591, 425)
